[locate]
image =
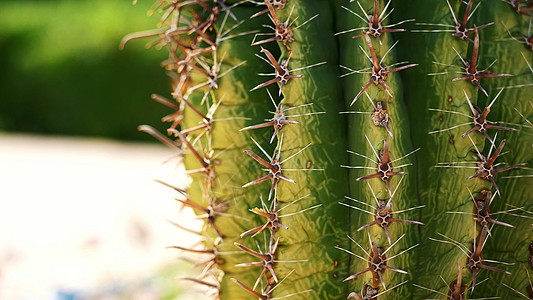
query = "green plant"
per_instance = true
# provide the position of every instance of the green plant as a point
(345, 206)
(52, 54)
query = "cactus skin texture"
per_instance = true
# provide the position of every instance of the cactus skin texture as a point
(326, 248)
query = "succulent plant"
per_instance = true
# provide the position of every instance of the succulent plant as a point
(345, 148)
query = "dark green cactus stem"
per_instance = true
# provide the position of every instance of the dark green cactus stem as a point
(444, 190)
(420, 212)
(313, 235)
(361, 127)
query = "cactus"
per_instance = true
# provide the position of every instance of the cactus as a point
(365, 163)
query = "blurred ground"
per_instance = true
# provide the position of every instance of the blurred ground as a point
(83, 219)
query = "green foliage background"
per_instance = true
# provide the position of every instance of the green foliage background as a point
(62, 73)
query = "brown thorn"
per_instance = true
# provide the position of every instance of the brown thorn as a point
(260, 160)
(375, 61)
(249, 290)
(475, 53)
(358, 273)
(205, 251)
(191, 148)
(163, 139)
(273, 61)
(462, 27)
(165, 101)
(177, 189)
(252, 252)
(375, 19)
(208, 284)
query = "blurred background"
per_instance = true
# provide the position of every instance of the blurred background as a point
(80, 214)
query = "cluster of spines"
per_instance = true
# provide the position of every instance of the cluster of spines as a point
(485, 167)
(384, 165)
(190, 42)
(283, 35)
(189, 31)
(523, 8)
